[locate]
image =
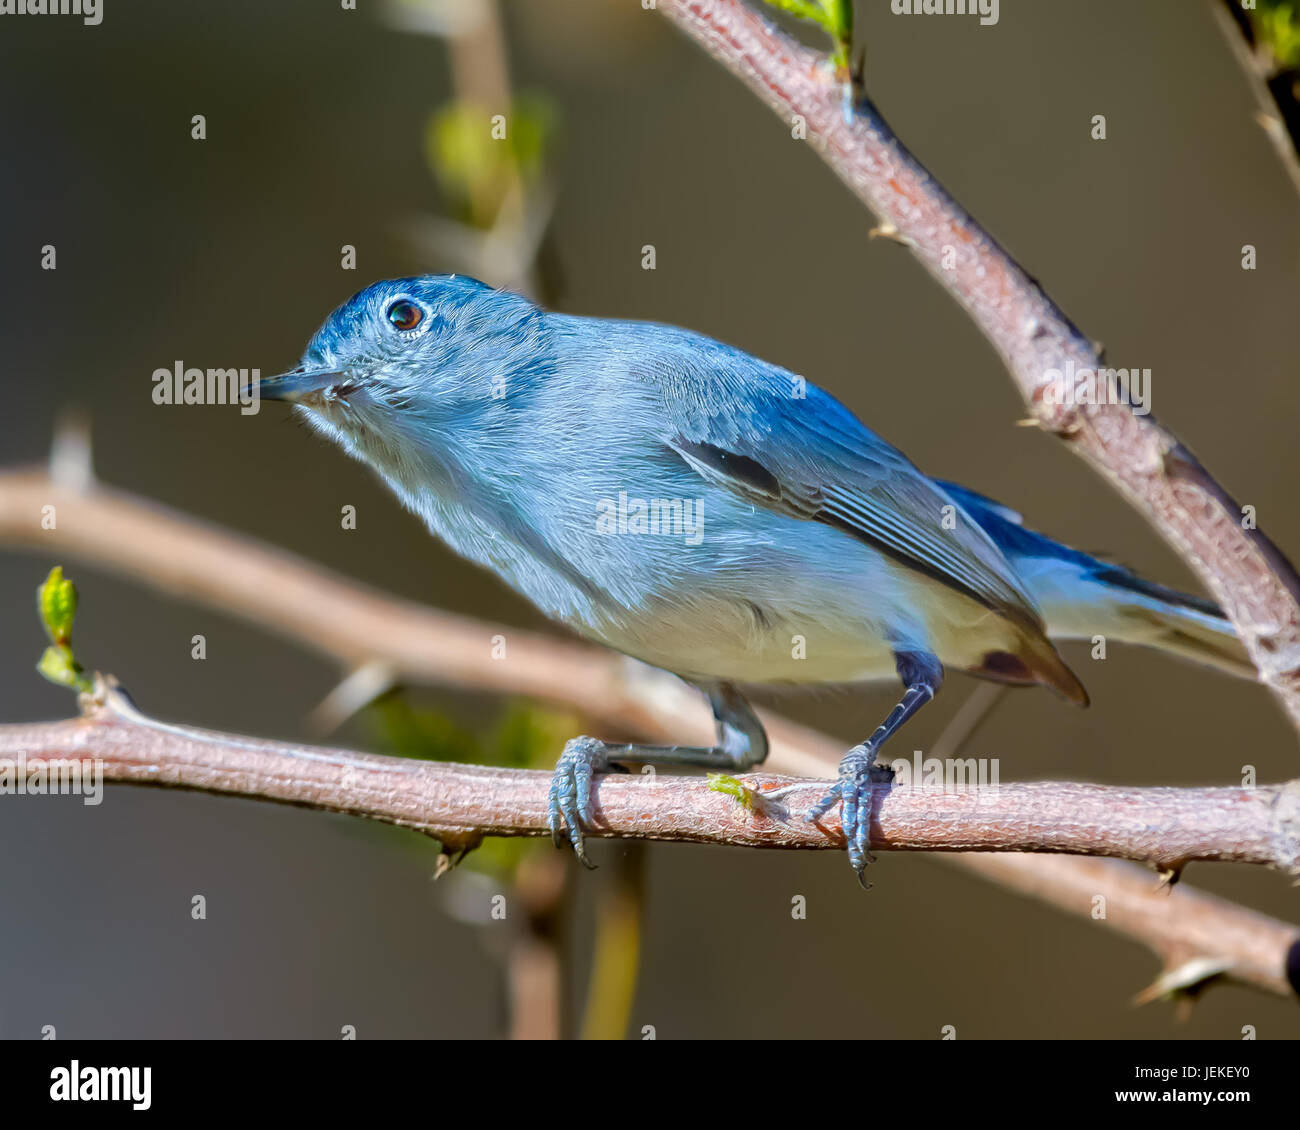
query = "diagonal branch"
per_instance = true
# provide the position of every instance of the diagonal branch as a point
(1256, 585)
(1196, 935)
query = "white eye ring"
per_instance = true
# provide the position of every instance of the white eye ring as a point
(404, 315)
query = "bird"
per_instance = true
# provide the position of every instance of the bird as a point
(681, 501)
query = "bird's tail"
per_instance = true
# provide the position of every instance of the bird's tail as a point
(1084, 598)
(1113, 603)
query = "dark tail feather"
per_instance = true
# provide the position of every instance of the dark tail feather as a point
(1189, 626)
(1082, 597)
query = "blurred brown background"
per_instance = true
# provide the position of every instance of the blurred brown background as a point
(226, 252)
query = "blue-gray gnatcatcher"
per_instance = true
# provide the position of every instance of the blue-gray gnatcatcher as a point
(718, 517)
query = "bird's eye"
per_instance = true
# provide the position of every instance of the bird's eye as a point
(405, 315)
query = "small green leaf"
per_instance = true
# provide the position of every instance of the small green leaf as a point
(835, 17)
(730, 786)
(57, 601)
(804, 9)
(58, 665)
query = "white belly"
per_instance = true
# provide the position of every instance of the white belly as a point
(843, 636)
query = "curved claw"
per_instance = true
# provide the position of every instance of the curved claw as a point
(569, 799)
(854, 791)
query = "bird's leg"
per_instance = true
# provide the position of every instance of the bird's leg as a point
(742, 744)
(921, 674)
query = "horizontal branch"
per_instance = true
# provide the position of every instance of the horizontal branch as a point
(1166, 827)
(1198, 937)
(1253, 581)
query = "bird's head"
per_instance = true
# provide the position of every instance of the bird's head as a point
(408, 364)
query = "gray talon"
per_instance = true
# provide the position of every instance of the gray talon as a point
(569, 799)
(854, 792)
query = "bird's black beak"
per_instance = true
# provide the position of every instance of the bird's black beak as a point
(298, 383)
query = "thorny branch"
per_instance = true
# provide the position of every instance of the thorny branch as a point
(1257, 587)
(458, 804)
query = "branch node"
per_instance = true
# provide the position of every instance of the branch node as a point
(1187, 979)
(888, 230)
(1286, 827)
(1170, 875)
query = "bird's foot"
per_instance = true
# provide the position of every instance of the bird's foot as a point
(569, 801)
(854, 792)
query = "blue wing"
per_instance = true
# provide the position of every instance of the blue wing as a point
(763, 433)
